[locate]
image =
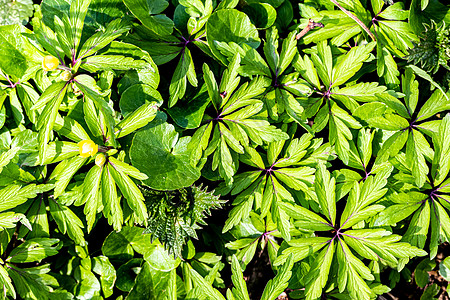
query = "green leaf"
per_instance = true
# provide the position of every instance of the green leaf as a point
(430, 292)
(149, 13)
(435, 104)
(120, 246)
(137, 95)
(277, 285)
(64, 172)
(10, 219)
(131, 193)
(14, 56)
(5, 280)
(67, 221)
(33, 250)
(318, 274)
(427, 77)
(240, 288)
(310, 220)
(189, 116)
(47, 118)
(106, 62)
(126, 274)
(421, 272)
(171, 167)
(350, 64)
(102, 267)
(441, 163)
(111, 202)
(324, 186)
(102, 38)
(77, 13)
(91, 194)
(159, 258)
(221, 28)
(154, 284)
(204, 286)
(126, 168)
(262, 15)
(137, 119)
(444, 268)
(177, 87)
(14, 195)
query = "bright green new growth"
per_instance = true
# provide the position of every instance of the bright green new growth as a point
(331, 147)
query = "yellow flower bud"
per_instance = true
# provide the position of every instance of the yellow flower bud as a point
(50, 63)
(87, 148)
(100, 159)
(66, 75)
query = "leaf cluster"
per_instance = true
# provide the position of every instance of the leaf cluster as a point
(323, 123)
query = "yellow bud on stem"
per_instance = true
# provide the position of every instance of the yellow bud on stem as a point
(100, 159)
(87, 148)
(66, 75)
(50, 63)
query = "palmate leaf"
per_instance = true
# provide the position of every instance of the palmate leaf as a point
(428, 206)
(275, 181)
(360, 158)
(329, 108)
(393, 33)
(100, 39)
(237, 121)
(407, 126)
(280, 95)
(374, 244)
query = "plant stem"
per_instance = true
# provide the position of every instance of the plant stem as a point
(356, 20)
(311, 25)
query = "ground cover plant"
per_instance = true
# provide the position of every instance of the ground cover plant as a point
(234, 150)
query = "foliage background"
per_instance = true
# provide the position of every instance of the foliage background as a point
(245, 149)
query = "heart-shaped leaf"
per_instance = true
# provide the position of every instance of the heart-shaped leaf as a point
(169, 167)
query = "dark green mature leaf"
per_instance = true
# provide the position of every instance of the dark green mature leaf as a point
(190, 117)
(154, 284)
(262, 15)
(33, 250)
(149, 13)
(444, 268)
(171, 167)
(105, 269)
(421, 275)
